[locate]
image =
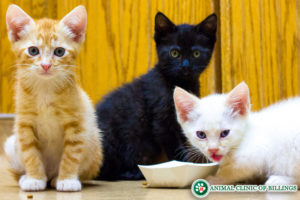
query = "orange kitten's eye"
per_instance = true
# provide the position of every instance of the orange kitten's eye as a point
(33, 51)
(59, 51)
(224, 133)
(201, 135)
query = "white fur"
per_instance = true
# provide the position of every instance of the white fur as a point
(262, 143)
(31, 184)
(279, 180)
(71, 185)
(10, 149)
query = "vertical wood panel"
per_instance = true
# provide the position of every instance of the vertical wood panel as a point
(119, 42)
(258, 41)
(259, 45)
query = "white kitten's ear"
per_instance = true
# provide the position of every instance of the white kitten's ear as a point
(17, 21)
(75, 23)
(184, 103)
(239, 100)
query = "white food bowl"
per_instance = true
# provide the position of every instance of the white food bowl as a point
(176, 173)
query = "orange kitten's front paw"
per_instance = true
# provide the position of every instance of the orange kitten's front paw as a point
(68, 185)
(214, 180)
(31, 184)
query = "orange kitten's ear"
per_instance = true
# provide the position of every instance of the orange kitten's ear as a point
(75, 22)
(17, 22)
(184, 103)
(239, 100)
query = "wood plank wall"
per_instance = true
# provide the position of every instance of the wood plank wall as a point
(258, 41)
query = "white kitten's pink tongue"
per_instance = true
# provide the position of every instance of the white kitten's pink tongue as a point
(216, 157)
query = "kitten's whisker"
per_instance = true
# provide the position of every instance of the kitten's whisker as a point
(15, 65)
(71, 66)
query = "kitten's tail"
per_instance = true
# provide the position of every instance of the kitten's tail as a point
(11, 154)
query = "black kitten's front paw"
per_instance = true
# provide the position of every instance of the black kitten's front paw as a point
(136, 175)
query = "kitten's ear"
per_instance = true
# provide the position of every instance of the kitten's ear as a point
(208, 26)
(17, 21)
(75, 22)
(184, 103)
(163, 24)
(239, 100)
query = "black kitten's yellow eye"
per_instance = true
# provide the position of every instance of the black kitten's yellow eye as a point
(59, 51)
(33, 51)
(174, 53)
(196, 54)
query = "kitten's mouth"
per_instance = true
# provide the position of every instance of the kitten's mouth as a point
(44, 73)
(216, 157)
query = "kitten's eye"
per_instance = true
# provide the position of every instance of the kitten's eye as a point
(174, 53)
(224, 133)
(201, 134)
(59, 51)
(196, 54)
(33, 51)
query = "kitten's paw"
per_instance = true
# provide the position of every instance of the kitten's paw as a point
(280, 180)
(214, 180)
(68, 185)
(30, 184)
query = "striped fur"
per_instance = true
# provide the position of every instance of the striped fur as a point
(55, 133)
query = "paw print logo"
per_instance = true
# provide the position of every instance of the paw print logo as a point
(200, 188)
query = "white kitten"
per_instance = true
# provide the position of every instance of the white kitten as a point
(265, 143)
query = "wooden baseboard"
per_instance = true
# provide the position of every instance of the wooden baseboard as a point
(6, 127)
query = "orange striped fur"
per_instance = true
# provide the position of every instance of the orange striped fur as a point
(55, 128)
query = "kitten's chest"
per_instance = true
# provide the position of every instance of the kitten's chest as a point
(48, 126)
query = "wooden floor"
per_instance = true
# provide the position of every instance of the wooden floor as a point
(9, 189)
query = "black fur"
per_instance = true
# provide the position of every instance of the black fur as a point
(138, 120)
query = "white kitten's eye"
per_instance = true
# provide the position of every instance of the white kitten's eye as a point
(224, 133)
(59, 51)
(201, 135)
(33, 51)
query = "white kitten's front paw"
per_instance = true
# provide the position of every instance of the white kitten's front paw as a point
(279, 180)
(68, 185)
(30, 184)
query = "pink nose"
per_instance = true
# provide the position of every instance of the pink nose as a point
(213, 150)
(46, 67)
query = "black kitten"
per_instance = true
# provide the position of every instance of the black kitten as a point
(138, 120)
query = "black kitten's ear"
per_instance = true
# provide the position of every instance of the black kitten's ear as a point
(163, 24)
(208, 26)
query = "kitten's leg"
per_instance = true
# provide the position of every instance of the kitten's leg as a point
(230, 174)
(35, 178)
(134, 174)
(169, 139)
(280, 180)
(68, 179)
(93, 155)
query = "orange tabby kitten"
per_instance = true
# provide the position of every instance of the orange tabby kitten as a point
(56, 136)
